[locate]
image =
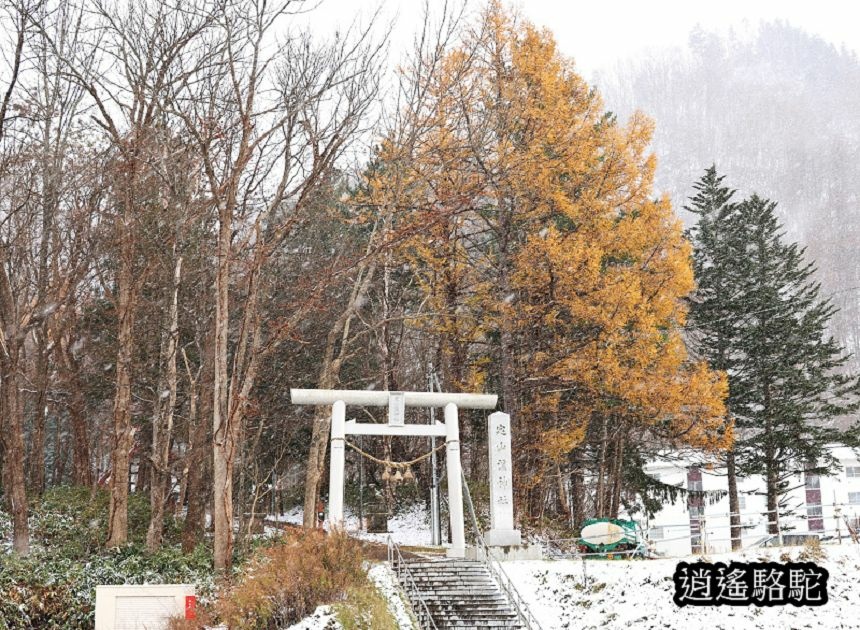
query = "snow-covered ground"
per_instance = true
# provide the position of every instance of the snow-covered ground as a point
(631, 595)
(410, 526)
(323, 618)
(637, 594)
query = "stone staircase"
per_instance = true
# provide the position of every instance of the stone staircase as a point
(458, 594)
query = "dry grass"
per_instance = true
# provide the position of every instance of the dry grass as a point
(365, 609)
(284, 583)
(812, 551)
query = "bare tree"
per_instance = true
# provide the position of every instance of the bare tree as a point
(144, 53)
(270, 122)
(16, 318)
(403, 133)
(162, 420)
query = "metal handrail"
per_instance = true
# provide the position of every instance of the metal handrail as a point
(395, 559)
(521, 608)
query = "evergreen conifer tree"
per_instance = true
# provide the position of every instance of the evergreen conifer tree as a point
(713, 325)
(758, 315)
(792, 385)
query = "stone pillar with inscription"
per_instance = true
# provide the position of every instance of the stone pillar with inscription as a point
(502, 532)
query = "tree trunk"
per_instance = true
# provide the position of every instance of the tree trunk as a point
(37, 452)
(235, 393)
(506, 337)
(577, 490)
(162, 422)
(329, 375)
(37, 439)
(222, 434)
(61, 455)
(197, 462)
(772, 496)
(617, 474)
(83, 472)
(123, 434)
(14, 480)
(12, 411)
(600, 492)
(70, 375)
(734, 503)
(563, 498)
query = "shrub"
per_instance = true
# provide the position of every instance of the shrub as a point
(72, 520)
(285, 582)
(59, 593)
(54, 587)
(812, 551)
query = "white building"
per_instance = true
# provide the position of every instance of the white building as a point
(824, 506)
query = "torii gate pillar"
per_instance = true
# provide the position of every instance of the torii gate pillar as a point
(455, 482)
(335, 480)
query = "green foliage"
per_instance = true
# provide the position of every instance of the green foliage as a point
(51, 591)
(72, 521)
(54, 587)
(758, 315)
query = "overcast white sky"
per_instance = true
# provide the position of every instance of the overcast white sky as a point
(596, 33)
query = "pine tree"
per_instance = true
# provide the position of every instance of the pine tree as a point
(759, 316)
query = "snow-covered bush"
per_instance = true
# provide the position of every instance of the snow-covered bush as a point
(51, 591)
(54, 587)
(72, 521)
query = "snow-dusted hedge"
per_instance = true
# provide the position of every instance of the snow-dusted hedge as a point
(54, 588)
(45, 591)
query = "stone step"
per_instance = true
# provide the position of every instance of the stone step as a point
(452, 575)
(501, 608)
(462, 596)
(477, 624)
(431, 581)
(463, 577)
(446, 564)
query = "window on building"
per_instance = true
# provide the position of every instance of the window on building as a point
(742, 502)
(854, 498)
(852, 472)
(657, 533)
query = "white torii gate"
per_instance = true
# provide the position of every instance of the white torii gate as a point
(396, 402)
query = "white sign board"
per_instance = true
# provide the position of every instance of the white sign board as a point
(396, 408)
(141, 606)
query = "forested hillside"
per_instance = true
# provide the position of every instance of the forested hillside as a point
(778, 111)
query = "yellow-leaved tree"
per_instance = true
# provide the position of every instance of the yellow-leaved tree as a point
(552, 274)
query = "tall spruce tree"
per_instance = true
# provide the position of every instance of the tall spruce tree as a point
(793, 385)
(758, 315)
(713, 323)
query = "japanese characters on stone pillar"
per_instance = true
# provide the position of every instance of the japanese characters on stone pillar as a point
(502, 532)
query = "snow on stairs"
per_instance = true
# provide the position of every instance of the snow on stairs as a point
(460, 594)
